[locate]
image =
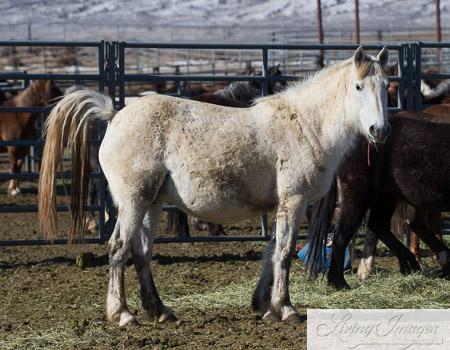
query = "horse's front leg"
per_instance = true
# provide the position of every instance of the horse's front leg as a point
(14, 168)
(367, 265)
(350, 216)
(271, 297)
(152, 306)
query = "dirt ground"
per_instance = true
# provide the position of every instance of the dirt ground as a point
(47, 302)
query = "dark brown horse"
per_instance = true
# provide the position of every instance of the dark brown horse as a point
(2, 97)
(412, 166)
(404, 213)
(22, 126)
(434, 218)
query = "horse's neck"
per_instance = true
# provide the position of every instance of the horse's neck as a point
(324, 108)
(28, 98)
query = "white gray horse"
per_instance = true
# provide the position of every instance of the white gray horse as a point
(220, 164)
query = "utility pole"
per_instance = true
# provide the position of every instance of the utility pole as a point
(438, 30)
(29, 32)
(357, 39)
(320, 32)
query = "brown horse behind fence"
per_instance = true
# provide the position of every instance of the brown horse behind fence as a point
(22, 126)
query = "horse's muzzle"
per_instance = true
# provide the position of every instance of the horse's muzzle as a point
(379, 135)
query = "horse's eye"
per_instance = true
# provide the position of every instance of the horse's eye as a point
(358, 87)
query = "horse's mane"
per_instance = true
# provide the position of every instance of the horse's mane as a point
(367, 67)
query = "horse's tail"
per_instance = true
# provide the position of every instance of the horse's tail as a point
(69, 120)
(319, 226)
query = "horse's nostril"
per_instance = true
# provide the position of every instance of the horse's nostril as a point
(372, 131)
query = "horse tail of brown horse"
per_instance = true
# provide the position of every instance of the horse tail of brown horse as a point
(69, 121)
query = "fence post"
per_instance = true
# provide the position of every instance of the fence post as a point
(265, 70)
(409, 76)
(418, 78)
(265, 92)
(111, 78)
(401, 74)
(102, 227)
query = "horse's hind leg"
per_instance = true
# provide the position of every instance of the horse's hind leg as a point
(380, 223)
(152, 306)
(271, 297)
(433, 221)
(127, 227)
(419, 225)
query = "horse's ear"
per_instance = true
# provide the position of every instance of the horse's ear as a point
(359, 56)
(383, 56)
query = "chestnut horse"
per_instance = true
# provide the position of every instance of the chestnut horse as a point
(22, 126)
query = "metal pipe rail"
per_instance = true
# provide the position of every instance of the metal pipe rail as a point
(112, 75)
(99, 78)
(418, 69)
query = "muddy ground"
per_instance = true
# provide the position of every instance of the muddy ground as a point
(47, 302)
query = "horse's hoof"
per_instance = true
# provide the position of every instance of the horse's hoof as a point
(271, 316)
(127, 319)
(92, 228)
(436, 261)
(15, 192)
(409, 267)
(365, 268)
(293, 318)
(166, 315)
(444, 273)
(342, 285)
(167, 318)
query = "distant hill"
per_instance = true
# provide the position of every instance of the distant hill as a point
(155, 20)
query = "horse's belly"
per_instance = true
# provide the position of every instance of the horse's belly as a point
(218, 200)
(224, 213)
